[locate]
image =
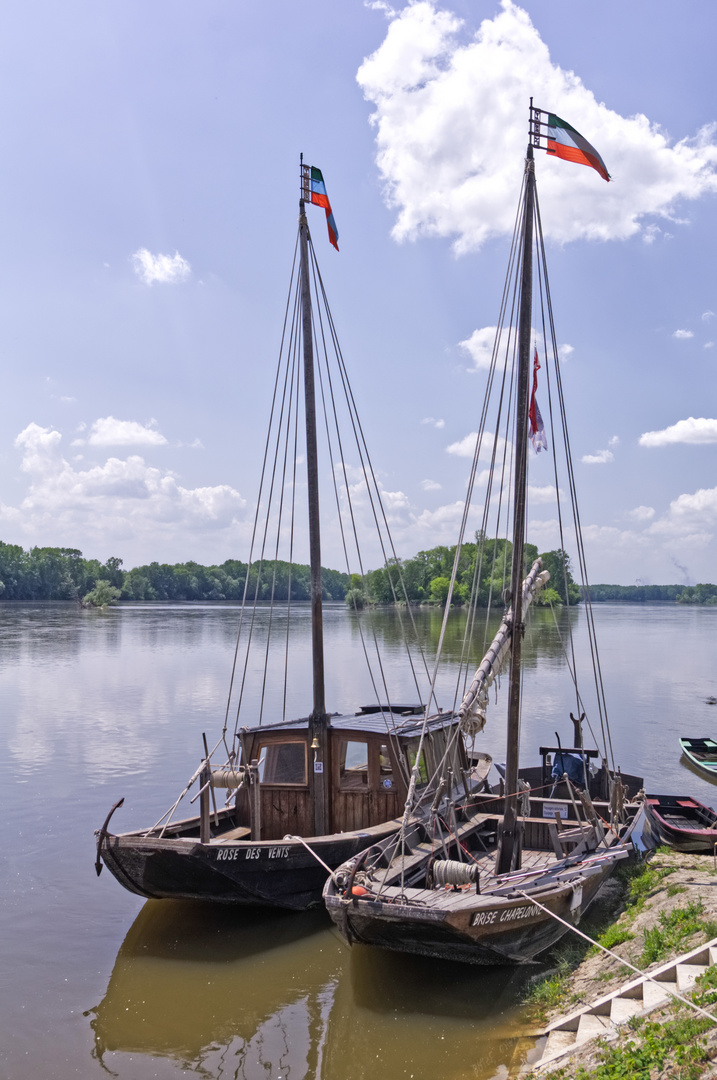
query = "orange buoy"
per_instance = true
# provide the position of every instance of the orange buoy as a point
(358, 890)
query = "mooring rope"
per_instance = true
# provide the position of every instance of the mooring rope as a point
(318, 858)
(616, 956)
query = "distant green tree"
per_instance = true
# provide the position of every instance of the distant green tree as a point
(112, 571)
(557, 562)
(439, 589)
(548, 597)
(356, 599)
(103, 594)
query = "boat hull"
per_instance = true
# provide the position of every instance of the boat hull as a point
(493, 931)
(277, 873)
(682, 823)
(702, 755)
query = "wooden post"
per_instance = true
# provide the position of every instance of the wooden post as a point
(205, 782)
(254, 800)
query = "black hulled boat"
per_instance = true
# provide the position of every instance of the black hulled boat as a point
(300, 797)
(500, 879)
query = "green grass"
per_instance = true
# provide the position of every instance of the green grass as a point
(641, 882)
(548, 992)
(673, 890)
(672, 930)
(614, 935)
(644, 1057)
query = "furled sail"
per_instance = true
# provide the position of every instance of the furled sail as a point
(472, 709)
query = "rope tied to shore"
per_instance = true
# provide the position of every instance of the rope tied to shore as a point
(620, 959)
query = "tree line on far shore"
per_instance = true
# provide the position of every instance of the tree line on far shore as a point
(48, 573)
(650, 594)
(484, 565)
(63, 574)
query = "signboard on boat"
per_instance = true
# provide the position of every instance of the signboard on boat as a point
(552, 809)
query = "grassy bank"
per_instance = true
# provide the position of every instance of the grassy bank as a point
(650, 913)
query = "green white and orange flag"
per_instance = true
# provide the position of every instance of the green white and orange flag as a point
(567, 143)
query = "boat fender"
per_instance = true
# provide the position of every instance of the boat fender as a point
(576, 899)
(358, 890)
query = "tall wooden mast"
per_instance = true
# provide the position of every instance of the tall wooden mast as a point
(508, 857)
(319, 718)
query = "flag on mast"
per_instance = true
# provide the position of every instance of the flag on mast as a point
(318, 196)
(537, 428)
(567, 143)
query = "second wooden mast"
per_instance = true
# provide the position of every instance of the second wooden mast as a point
(510, 840)
(319, 717)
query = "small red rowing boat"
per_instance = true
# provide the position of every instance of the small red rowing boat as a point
(681, 822)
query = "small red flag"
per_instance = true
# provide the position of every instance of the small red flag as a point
(537, 428)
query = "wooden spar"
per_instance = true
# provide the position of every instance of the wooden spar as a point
(475, 698)
(319, 719)
(508, 857)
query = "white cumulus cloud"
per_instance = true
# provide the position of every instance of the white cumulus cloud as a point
(160, 269)
(430, 485)
(119, 500)
(433, 422)
(601, 458)
(479, 347)
(683, 335)
(448, 104)
(110, 432)
(642, 513)
(481, 343)
(466, 447)
(541, 494)
(693, 430)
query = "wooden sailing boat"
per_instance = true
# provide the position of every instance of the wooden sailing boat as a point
(303, 795)
(496, 882)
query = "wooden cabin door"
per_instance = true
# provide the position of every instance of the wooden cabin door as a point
(364, 788)
(350, 784)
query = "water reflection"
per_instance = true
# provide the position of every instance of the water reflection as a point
(99, 706)
(222, 992)
(125, 691)
(546, 631)
(227, 994)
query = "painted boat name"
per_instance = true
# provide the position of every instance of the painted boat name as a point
(230, 854)
(486, 918)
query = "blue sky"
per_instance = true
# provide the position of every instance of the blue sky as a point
(149, 203)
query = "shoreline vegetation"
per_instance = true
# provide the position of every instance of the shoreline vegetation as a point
(54, 573)
(647, 914)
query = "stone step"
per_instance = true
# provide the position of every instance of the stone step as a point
(591, 1026)
(638, 995)
(656, 993)
(687, 975)
(623, 1008)
(558, 1041)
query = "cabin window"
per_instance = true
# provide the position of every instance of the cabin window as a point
(385, 768)
(411, 751)
(282, 763)
(353, 765)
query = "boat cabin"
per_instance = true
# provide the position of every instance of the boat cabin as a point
(364, 773)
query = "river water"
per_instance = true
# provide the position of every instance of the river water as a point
(95, 706)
